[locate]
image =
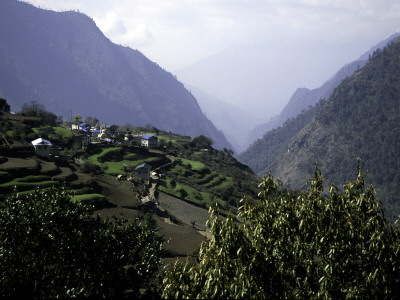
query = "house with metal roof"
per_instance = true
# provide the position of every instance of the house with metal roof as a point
(42, 146)
(149, 141)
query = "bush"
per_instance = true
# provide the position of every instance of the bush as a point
(296, 246)
(51, 247)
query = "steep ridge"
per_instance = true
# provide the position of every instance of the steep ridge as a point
(360, 120)
(62, 60)
(303, 98)
(301, 108)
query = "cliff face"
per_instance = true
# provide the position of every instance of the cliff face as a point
(62, 60)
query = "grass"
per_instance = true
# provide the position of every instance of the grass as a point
(179, 170)
(55, 133)
(9, 133)
(117, 167)
(33, 178)
(167, 139)
(202, 180)
(60, 131)
(130, 156)
(25, 193)
(196, 165)
(95, 158)
(21, 186)
(86, 197)
(193, 195)
(225, 183)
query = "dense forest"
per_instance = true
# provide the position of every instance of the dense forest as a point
(264, 151)
(360, 120)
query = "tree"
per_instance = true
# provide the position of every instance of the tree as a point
(77, 119)
(202, 141)
(4, 106)
(92, 121)
(183, 193)
(290, 246)
(113, 129)
(38, 110)
(32, 109)
(51, 247)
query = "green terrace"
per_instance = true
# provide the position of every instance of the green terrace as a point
(26, 175)
(115, 160)
(195, 182)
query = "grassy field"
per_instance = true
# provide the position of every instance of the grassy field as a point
(195, 165)
(8, 187)
(87, 197)
(95, 157)
(54, 133)
(113, 165)
(117, 167)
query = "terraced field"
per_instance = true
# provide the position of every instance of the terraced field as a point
(26, 174)
(195, 182)
(115, 160)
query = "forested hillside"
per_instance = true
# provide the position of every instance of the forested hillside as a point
(303, 98)
(360, 120)
(264, 151)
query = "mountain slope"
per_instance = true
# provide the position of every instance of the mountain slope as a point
(235, 122)
(61, 59)
(360, 120)
(304, 97)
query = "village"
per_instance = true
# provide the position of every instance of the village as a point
(39, 149)
(85, 135)
(126, 172)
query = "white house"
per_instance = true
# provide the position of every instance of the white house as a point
(149, 141)
(42, 146)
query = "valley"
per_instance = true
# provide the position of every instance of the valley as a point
(187, 177)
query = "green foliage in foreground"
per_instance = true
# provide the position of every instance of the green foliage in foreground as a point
(51, 247)
(297, 247)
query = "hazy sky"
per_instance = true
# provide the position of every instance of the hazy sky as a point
(177, 33)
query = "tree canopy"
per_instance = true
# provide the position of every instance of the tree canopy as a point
(202, 141)
(291, 246)
(4, 106)
(51, 247)
(38, 110)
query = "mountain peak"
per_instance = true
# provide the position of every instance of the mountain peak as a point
(63, 60)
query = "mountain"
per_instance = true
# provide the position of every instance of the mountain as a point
(303, 98)
(360, 120)
(62, 60)
(233, 121)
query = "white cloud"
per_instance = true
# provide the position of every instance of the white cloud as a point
(179, 32)
(113, 26)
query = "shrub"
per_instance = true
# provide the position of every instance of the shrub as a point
(296, 246)
(51, 247)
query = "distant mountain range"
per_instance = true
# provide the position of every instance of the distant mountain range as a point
(62, 60)
(233, 121)
(361, 119)
(303, 98)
